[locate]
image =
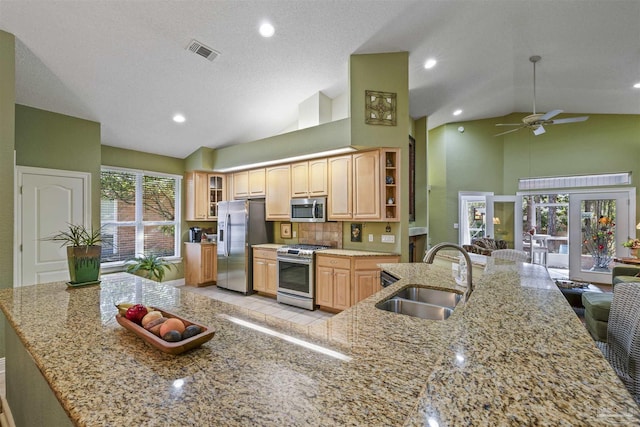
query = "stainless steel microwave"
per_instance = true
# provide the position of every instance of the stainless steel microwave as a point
(309, 210)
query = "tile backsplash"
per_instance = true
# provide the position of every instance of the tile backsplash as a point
(320, 233)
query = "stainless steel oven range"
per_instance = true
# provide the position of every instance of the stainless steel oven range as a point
(296, 275)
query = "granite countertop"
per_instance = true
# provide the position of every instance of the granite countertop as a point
(513, 354)
(332, 251)
(353, 252)
(268, 246)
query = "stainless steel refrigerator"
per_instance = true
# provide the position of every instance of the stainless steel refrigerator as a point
(241, 224)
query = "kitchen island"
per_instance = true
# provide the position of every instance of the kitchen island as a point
(513, 354)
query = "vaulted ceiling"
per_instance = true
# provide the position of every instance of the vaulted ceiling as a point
(125, 63)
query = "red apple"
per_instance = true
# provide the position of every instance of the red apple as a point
(136, 312)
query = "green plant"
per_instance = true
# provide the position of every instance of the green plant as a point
(154, 266)
(632, 243)
(77, 235)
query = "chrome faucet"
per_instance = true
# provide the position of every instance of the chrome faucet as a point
(431, 254)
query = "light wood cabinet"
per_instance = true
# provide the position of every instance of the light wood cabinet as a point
(200, 264)
(203, 192)
(339, 201)
(257, 183)
(240, 185)
(366, 275)
(249, 183)
(343, 281)
(309, 179)
(366, 186)
(216, 194)
(278, 193)
(333, 282)
(265, 271)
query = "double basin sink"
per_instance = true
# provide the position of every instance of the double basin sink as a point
(425, 303)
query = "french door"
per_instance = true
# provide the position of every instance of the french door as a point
(600, 222)
(504, 219)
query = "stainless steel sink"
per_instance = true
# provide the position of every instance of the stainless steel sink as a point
(430, 296)
(415, 309)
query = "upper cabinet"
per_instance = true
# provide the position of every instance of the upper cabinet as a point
(249, 183)
(278, 193)
(309, 179)
(364, 186)
(340, 184)
(203, 192)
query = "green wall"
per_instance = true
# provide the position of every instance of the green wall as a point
(7, 143)
(478, 161)
(328, 136)
(391, 75)
(56, 141)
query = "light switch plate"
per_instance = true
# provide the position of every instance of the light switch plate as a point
(295, 233)
(388, 238)
(371, 237)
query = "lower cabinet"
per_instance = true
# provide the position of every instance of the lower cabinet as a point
(333, 282)
(265, 271)
(200, 264)
(343, 281)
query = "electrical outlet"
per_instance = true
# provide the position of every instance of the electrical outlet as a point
(371, 237)
(388, 238)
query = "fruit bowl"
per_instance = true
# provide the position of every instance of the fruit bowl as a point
(166, 346)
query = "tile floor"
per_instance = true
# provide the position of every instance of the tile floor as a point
(260, 303)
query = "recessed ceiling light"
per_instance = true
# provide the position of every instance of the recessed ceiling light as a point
(430, 63)
(457, 112)
(637, 85)
(267, 30)
(179, 118)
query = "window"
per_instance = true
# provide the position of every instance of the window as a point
(139, 214)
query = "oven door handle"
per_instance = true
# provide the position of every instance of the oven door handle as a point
(295, 260)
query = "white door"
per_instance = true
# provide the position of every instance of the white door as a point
(599, 223)
(48, 201)
(504, 219)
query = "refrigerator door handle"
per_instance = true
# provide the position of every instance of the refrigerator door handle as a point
(227, 245)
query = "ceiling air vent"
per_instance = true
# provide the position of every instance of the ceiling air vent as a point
(202, 50)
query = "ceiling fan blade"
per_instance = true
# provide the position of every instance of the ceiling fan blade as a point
(550, 114)
(509, 131)
(509, 124)
(539, 130)
(570, 120)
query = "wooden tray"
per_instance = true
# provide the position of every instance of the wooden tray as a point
(166, 346)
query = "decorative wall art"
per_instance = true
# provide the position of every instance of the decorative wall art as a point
(380, 108)
(285, 230)
(356, 232)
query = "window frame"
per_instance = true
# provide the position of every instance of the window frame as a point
(138, 222)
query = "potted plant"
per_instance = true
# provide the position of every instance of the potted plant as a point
(633, 245)
(83, 252)
(152, 264)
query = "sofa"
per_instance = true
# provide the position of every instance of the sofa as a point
(597, 305)
(485, 245)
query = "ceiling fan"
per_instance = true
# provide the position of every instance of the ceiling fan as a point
(536, 121)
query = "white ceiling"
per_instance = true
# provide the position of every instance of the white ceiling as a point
(125, 64)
